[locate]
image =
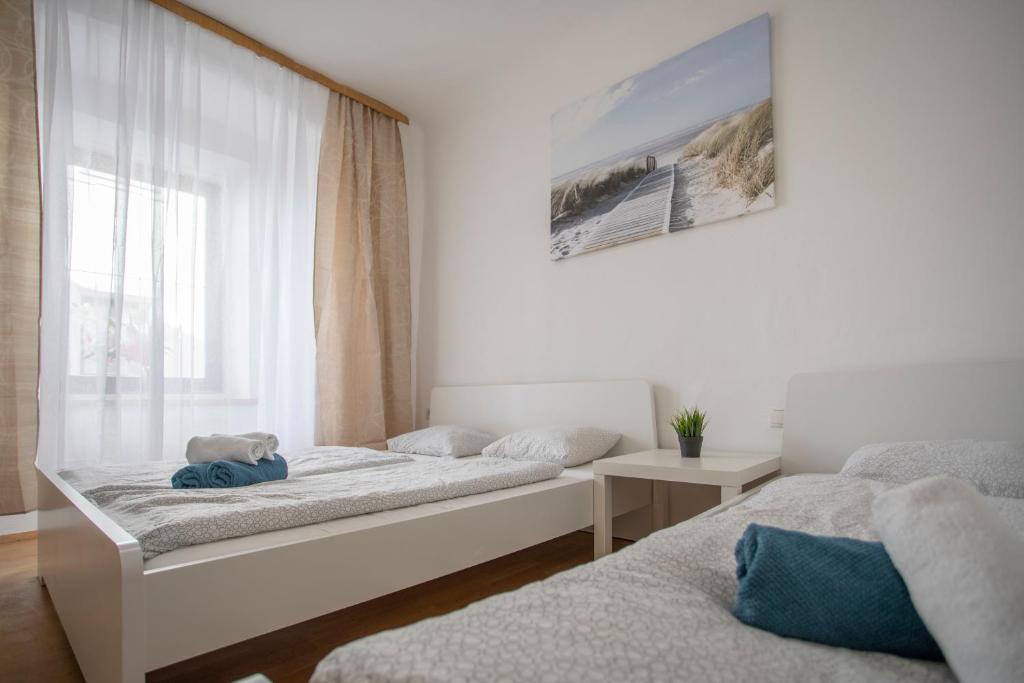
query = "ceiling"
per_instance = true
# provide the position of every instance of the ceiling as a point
(406, 53)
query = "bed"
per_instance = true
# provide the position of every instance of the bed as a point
(661, 609)
(125, 615)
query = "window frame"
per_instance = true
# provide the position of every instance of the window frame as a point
(212, 382)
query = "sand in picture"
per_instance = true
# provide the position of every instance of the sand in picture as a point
(685, 143)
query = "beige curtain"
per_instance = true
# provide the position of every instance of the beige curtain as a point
(361, 296)
(19, 259)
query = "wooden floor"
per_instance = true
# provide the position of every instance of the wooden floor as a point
(33, 647)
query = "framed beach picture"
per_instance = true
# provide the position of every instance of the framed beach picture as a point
(685, 143)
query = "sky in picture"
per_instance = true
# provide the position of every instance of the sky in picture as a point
(726, 73)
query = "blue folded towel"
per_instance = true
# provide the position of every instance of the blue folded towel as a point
(221, 474)
(192, 477)
(836, 591)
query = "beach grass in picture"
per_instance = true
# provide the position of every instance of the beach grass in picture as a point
(682, 144)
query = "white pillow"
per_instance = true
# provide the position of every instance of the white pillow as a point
(565, 446)
(441, 440)
(996, 468)
(964, 569)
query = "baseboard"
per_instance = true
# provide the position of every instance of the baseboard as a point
(17, 524)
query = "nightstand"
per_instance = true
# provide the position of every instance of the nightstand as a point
(727, 470)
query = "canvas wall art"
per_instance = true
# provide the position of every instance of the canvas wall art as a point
(685, 143)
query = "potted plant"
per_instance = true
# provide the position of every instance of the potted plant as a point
(689, 424)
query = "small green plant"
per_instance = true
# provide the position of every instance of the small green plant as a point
(689, 422)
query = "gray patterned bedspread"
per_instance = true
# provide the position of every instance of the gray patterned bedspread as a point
(323, 484)
(658, 610)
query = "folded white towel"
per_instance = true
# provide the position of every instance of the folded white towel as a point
(964, 568)
(270, 441)
(202, 449)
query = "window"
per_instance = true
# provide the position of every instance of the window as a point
(178, 221)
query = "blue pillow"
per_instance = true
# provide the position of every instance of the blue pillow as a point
(835, 591)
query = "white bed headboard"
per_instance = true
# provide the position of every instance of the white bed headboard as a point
(829, 415)
(624, 406)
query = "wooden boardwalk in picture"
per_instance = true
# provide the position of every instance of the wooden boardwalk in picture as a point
(645, 211)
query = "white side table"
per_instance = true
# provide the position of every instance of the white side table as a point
(730, 471)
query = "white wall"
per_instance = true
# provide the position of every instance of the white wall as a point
(898, 236)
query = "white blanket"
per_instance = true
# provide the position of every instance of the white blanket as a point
(322, 484)
(659, 610)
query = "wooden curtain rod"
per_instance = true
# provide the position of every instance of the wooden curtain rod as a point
(239, 38)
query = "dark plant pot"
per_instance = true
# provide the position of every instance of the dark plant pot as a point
(689, 446)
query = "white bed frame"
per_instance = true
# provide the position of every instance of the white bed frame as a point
(831, 414)
(124, 619)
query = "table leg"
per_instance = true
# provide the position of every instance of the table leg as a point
(730, 492)
(602, 515)
(659, 505)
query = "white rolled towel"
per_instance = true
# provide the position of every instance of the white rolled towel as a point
(270, 441)
(202, 449)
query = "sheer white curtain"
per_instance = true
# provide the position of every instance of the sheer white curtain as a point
(179, 191)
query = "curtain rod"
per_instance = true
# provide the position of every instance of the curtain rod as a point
(239, 38)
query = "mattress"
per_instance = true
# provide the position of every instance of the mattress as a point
(323, 485)
(572, 476)
(659, 610)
